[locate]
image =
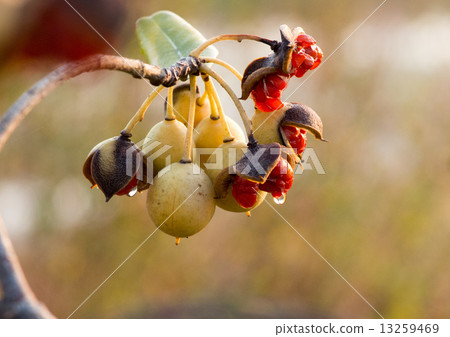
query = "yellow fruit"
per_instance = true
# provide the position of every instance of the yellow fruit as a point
(181, 105)
(266, 126)
(210, 134)
(164, 144)
(218, 168)
(181, 201)
(225, 156)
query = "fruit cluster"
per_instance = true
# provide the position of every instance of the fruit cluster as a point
(197, 158)
(306, 55)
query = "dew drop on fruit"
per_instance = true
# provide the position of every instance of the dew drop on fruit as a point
(280, 200)
(133, 191)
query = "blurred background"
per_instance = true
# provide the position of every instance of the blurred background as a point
(380, 215)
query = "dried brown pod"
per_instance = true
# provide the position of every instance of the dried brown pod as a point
(181, 105)
(258, 161)
(280, 60)
(116, 166)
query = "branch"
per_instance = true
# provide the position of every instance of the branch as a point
(157, 76)
(18, 299)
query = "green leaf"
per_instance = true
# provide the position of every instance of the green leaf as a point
(165, 38)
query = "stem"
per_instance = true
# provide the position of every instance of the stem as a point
(212, 102)
(201, 100)
(214, 113)
(37, 92)
(18, 299)
(223, 64)
(187, 155)
(227, 136)
(237, 37)
(139, 115)
(224, 84)
(170, 115)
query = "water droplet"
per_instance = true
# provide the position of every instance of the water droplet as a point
(280, 200)
(133, 191)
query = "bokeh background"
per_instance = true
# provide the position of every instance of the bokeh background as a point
(380, 215)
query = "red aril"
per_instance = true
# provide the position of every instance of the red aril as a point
(280, 179)
(245, 192)
(296, 138)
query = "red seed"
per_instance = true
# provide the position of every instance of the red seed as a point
(311, 52)
(280, 179)
(274, 103)
(305, 40)
(308, 63)
(300, 72)
(316, 64)
(245, 192)
(127, 189)
(277, 80)
(258, 93)
(269, 105)
(296, 138)
(319, 52)
(272, 91)
(297, 59)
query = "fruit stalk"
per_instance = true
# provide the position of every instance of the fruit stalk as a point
(227, 136)
(187, 155)
(213, 103)
(247, 123)
(237, 37)
(139, 115)
(201, 100)
(170, 115)
(223, 64)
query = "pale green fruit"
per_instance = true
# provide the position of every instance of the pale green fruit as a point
(181, 200)
(164, 144)
(181, 102)
(210, 134)
(224, 157)
(266, 126)
(218, 168)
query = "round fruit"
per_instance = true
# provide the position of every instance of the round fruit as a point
(210, 134)
(164, 144)
(266, 126)
(181, 201)
(181, 103)
(218, 168)
(225, 156)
